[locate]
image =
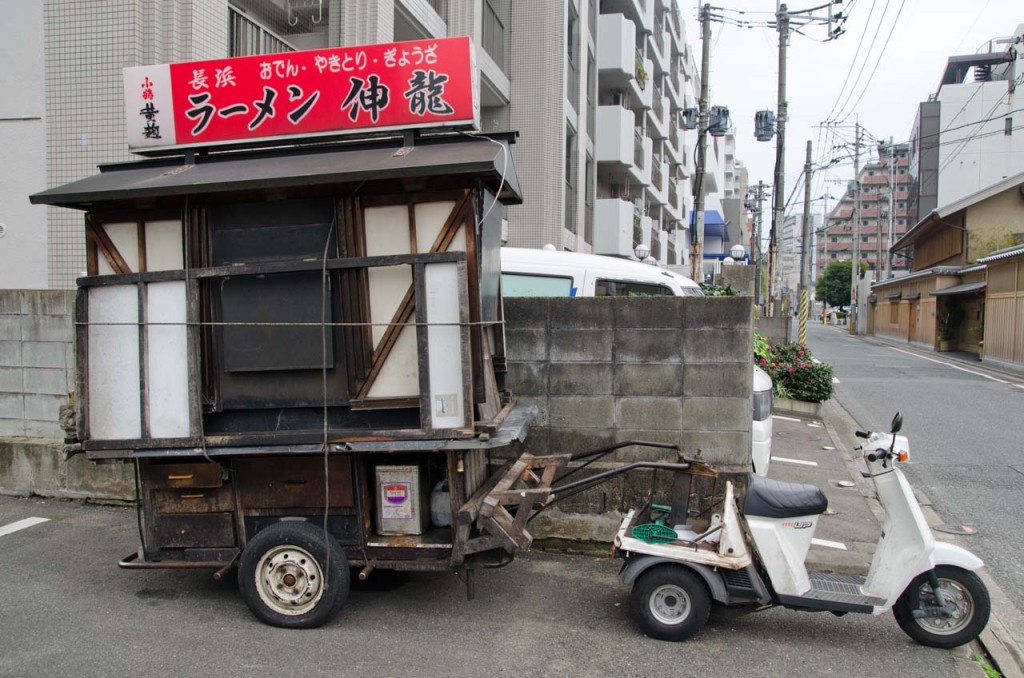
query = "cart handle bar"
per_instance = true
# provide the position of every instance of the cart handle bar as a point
(610, 473)
(601, 451)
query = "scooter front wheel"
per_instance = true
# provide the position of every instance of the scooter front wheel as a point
(670, 602)
(960, 588)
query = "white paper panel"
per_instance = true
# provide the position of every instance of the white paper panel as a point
(125, 237)
(114, 394)
(430, 217)
(167, 353)
(164, 251)
(459, 241)
(387, 232)
(399, 375)
(445, 346)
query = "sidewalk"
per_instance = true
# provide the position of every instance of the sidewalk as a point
(820, 452)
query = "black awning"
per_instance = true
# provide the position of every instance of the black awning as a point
(285, 168)
(894, 295)
(965, 288)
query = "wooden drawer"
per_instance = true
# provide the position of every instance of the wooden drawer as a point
(194, 530)
(292, 482)
(200, 474)
(194, 500)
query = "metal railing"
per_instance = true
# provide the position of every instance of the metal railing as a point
(493, 28)
(659, 35)
(673, 136)
(248, 38)
(570, 207)
(656, 177)
(441, 7)
(673, 195)
(638, 148)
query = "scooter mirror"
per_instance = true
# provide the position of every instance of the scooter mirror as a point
(897, 423)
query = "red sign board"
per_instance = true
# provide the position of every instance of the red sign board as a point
(419, 83)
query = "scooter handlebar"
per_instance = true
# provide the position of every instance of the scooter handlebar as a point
(862, 434)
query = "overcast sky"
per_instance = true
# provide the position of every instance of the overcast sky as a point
(744, 71)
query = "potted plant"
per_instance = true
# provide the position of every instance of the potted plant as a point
(948, 326)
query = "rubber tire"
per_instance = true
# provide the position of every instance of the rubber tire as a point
(909, 600)
(686, 579)
(311, 539)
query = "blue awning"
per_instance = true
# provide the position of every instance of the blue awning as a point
(714, 224)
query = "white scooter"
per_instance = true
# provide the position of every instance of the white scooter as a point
(755, 558)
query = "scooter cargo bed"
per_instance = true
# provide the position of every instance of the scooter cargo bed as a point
(836, 592)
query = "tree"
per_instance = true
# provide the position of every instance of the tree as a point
(833, 287)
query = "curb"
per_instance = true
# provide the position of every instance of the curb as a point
(997, 640)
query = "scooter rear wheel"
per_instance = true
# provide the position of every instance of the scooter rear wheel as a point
(670, 602)
(963, 589)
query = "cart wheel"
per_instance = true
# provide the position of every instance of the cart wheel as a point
(962, 588)
(290, 577)
(670, 602)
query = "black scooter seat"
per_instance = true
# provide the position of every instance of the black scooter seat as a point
(776, 499)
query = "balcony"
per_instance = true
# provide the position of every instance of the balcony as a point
(616, 51)
(673, 150)
(620, 146)
(613, 227)
(658, 114)
(674, 207)
(422, 17)
(657, 190)
(660, 48)
(642, 86)
(640, 12)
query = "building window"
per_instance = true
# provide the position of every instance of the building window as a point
(863, 238)
(1008, 126)
(591, 95)
(493, 39)
(570, 179)
(572, 55)
(588, 201)
(836, 239)
(832, 255)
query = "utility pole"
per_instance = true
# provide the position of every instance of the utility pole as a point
(755, 245)
(780, 158)
(697, 249)
(855, 263)
(805, 251)
(892, 204)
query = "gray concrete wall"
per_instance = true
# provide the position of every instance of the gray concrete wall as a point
(777, 329)
(37, 361)
(36, 466)
(606, 370)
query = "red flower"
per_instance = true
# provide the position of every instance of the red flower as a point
(763, 361)
(792, 370)
(773, 365)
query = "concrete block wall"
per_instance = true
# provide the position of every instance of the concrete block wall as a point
(37, 361)
(607, 370)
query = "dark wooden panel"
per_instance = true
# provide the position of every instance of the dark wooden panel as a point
(200, 474)
(210, 530)
(194, 500)
(293, 482)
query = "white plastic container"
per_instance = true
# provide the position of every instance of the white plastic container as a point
(401, 500)
(440, 505)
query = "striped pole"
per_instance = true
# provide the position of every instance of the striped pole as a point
(804, 304)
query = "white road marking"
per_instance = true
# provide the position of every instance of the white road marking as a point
(786, 460)
(829, 544)
(835, 380)
(21, 525)
(779, 416)
(957, 367)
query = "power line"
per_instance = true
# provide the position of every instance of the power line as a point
(880, 55)
(867, 56)
(849, 71)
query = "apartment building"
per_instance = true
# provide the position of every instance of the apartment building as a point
(596, 90)
(969, 134)
(885, 215)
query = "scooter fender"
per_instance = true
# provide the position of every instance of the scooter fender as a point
(942, 553)
(637, 565)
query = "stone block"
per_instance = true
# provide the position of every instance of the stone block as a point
(12, 406)
(586, 379)
(44, 354)
(47, 302)
(647, 346)
(525, 313)
(719, 447)
(543, 408)
(49, 430)
(10, 428)
(720, 312)
(12, 380)
(638, 453)
(47, 380)
(527, 378)
(648, 414)
(718, 346)
(10, 303)
(724, 380)
(10, 328)
(717, 414)
(581, 411)
(649, 379)
(525, 344)
(650, 312)
(43, 407)
(593, 313)
(47, 328)
(581, 345)
(107, 481)
(10, 354)
(563, 440)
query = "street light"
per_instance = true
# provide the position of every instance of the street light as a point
(642, 251)
(737, 252)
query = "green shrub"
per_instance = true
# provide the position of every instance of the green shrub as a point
(795, 373)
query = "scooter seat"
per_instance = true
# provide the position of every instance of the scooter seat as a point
(775, 499)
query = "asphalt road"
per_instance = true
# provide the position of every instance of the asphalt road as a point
(68, 611)
(965, 437)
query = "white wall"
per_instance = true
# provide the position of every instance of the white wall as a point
(22, 149)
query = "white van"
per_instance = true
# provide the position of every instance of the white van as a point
(549, 273)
